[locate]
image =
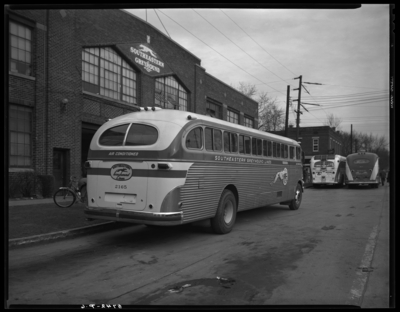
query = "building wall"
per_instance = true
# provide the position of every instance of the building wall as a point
(58, 37)
(328, 137)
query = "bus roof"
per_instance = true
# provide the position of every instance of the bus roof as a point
(363, 155)
(182, 118)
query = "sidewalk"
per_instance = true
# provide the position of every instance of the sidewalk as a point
(38, 220)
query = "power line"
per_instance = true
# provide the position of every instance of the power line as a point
(160, 21)
(219, 52)
(237, 45)
(257, 42)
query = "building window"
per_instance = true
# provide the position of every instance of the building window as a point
(104, 72)
(20, 136)
(315, 144)
(20, 49)
(233, 117)
(248, 122)
(170, 94)
(213, 109)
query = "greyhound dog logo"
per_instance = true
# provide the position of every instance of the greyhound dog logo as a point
(121, 172)
(145, 49)
(283, 175)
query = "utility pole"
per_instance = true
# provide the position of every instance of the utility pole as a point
(351, 139)
(298, 107)
(287, 111)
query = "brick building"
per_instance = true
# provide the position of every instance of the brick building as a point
(71, 70)
(316, 140)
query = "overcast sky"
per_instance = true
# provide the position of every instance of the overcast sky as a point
(345, 50)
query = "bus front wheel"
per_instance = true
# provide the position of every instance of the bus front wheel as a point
(295, 203)
(225, 217)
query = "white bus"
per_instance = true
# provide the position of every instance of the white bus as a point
(170, 167)
(362, 168)
(328, 170)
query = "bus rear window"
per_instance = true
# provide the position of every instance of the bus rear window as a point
(141, 135)
(113, 136)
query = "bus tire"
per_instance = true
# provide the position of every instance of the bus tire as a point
(225, 217)
(295, 203)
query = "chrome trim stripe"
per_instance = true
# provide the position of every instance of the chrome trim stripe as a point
(147, 173)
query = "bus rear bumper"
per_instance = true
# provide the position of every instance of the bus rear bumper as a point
(361, 183)
(141, 217)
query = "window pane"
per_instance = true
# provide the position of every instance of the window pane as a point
(217, 140)
(234, 143)
(274, 149)
(285, 152)
(114, 136)
(259, 147)
(209, 139)
(226, 142)
(254, 146)
(278, 149)
(292, 155)
(247, 145)
(195, 138)
(265, 148)
(269, 147)
(141, 135)
(241, 144)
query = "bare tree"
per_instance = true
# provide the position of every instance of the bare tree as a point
(333, 121)
(270, 116)
(247, 89)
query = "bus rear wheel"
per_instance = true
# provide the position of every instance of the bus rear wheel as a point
(225, 217)
(298, 195)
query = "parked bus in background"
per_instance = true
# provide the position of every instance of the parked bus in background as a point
(328, 170)
(170, 167)
(362, 168)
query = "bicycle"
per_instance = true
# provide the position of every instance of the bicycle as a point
(65, 197)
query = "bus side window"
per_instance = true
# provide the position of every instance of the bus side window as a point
(253, 146)
(195, 138)
(285, 152)
(226, 142)
(298, 153)
(274, 149)
(259, 147)
(217, 140)
(291, 150)
(265, 148)
(209, 139)
(241, 144)
(234, 143)
(278, 150)
(247, 145)
(269, 146)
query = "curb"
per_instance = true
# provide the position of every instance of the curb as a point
(64, 234)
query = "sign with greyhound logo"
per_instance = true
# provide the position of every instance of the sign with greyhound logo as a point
(282, 175)
(121, 172)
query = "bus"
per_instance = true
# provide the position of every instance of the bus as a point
(362, 168)
(169, 167)
(328, 170)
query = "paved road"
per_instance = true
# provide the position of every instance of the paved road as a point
(332, 251)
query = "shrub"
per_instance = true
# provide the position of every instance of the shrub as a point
(13, 186)
(47, 185)
(27, 181)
